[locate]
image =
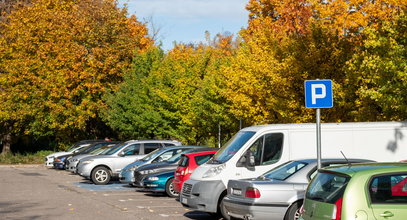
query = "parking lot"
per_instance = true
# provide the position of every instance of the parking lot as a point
(37, 192)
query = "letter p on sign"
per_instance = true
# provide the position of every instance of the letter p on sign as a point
(318, 94)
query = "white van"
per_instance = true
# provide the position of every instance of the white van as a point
(255, 150)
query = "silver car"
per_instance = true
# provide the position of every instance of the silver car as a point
(277, 194)
(101, 168)
(97, 149)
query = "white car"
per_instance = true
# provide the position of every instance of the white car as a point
(101, 168)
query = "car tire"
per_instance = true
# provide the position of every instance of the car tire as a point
(293, 213)
(222, 210)
(101, 176)
(169, 189)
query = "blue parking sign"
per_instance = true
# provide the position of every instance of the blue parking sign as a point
(318, 94)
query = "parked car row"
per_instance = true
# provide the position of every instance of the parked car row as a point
(149, 165)
(270, 172)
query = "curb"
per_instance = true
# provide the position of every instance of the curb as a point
(21, 165)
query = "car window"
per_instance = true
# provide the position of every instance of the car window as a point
(169, 144)
(165, 156)
(183, 162)
(388, 189)
(149, 147)
(267, 149)
(285, 171)
(202, 159)
(132, 150)
(327, 187)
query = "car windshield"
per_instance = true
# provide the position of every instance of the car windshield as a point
(152, 154)
(231, 147)
(327, 187)
(175, 158)
(91, 148)
(102, 150)
(284, 171)
(115, 149)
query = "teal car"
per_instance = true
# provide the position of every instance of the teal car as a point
(160, 182)
(358, 192)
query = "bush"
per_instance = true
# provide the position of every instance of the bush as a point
(36, 158)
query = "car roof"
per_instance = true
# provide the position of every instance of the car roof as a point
(209, 151)
(154, 141)
(368, 168)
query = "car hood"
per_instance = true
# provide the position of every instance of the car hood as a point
(57, 154)
(158, 166)
(136, 163)
(80, 156)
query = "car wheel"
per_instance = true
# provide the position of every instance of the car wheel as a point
(100, 176)
(169, 189)
(293, 213)
(223, 212)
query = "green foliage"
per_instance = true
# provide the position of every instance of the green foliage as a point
(36, 158)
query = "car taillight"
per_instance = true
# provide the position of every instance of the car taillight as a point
(336, 214)
(252, 192)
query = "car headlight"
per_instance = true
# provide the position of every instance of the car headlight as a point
(152, 178)
(87, 161)
(145, 172)
(132, 168)
(214, 171)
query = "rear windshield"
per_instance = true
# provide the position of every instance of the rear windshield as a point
(327, 187)
(183, 162)
(284, 171)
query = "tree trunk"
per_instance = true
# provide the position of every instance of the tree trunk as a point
(6, 140)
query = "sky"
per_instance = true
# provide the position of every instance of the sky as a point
(185, 21)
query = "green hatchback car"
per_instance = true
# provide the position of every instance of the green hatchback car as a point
(369, 191)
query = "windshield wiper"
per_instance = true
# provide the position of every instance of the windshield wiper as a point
(214, 161)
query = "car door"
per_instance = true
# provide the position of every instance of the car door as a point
(267, 151)
(388, 196)
(128, 155)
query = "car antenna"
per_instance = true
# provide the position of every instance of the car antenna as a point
(346, 159)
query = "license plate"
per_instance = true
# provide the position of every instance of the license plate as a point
(184, 200)
(237, 192)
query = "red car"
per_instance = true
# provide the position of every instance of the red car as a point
(187, 165)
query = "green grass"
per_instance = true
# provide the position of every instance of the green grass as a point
(34, 158)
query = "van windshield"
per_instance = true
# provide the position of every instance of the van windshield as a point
(327, 187)
(231, 147)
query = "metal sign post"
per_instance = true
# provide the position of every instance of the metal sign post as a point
(318, 94)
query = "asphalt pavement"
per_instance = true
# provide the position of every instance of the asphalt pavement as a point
(36, 192)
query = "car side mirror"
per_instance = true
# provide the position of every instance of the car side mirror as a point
(250, 162)
(121, 154)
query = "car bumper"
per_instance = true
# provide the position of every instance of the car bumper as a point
(201, 195)
(72, 166)
(126, 176)
(84, 170)
(153, 186)
(49, 162)
(177, 185)
(60, 166)
(250, 211)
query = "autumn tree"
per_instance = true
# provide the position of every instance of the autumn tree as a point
(290, 41)
(174, 95)
(57, 58)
